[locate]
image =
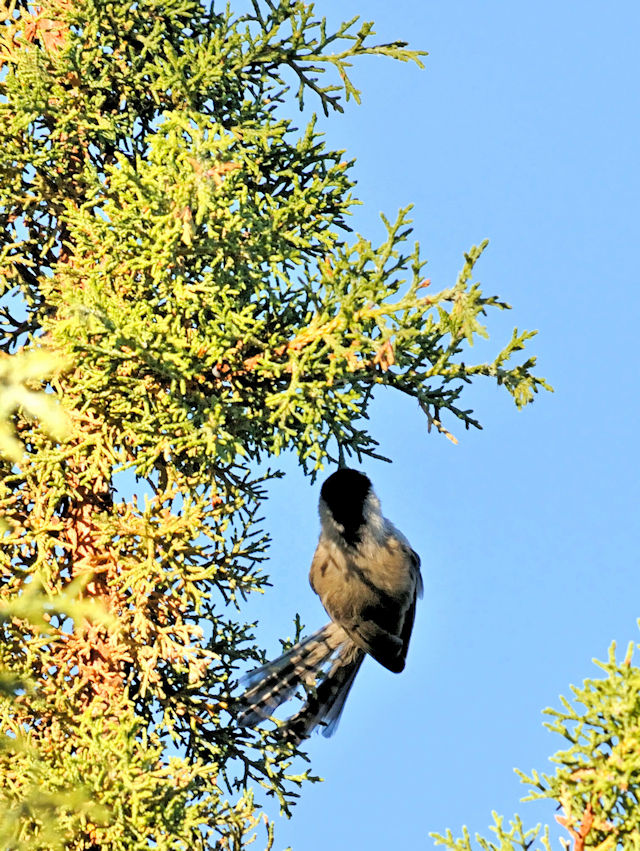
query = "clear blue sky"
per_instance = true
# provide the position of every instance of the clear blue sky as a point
(524, 128)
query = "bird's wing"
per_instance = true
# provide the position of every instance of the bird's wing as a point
(385, 647)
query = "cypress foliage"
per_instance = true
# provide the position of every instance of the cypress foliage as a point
(596, 786)
(182, 285)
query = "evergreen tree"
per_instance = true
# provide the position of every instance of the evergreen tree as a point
(177, 261)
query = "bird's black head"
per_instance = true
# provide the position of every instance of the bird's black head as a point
(345, 492)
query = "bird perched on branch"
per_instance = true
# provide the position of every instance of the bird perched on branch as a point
(368, 579)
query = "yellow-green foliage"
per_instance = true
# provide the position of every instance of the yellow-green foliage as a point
(596, 787)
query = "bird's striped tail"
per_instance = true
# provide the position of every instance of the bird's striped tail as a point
(275, 682)
(324, 704)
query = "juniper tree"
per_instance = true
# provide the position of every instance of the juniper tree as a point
(184, 254)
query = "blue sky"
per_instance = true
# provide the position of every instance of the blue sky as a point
(524, 129)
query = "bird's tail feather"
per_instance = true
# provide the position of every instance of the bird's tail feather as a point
(273, 683)
(325, 704)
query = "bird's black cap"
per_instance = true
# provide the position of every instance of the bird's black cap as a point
(344, 493)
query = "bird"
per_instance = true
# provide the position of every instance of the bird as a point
(368, 579)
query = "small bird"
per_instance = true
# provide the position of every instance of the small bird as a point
(368, 578)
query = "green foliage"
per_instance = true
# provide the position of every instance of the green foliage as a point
(597, 783)
(184, 299)
(511, 839)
